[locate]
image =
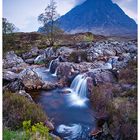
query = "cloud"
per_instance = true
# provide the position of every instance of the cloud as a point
(129, 7)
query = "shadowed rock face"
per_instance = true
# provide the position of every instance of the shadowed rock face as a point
(100, 17)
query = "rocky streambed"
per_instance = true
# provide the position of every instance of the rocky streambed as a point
(63, 81)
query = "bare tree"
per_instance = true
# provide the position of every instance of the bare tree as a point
(8, 27)
(48, 19)
(8, 30)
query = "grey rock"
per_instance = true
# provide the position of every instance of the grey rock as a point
(9, 76)
(30, 61)
(15, 86)
(49, 85)
(32, 53)
(101, 76)
(25, 94)
(64, 51)
(12, 60)
(30, 79)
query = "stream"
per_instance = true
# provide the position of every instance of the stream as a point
(72, 114)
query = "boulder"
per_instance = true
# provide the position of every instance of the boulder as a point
(12, 60)
(132, 48)
(9, 76)
(64, 51)
(49, 125)
(101, 76)
(27, 55)
(70, 70)
(83, 45)
(30, 61)
(49, 85)
(15, 86)
(109, 52)
(30, 79)
(18, 68)
(32, 53)
(25, 94)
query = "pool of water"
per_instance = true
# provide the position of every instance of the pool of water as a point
(45, 74)
(73, 117)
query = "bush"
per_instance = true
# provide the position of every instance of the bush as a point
(74, 56)
(17, 108)
(36, 131)
(89, 38)
(122, 110)
(29, 132)
(14, 135)
(129, 74)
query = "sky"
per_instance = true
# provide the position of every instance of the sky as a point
(24, 13)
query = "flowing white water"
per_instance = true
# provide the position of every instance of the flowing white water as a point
(74, 130)
(79, 85)
(55, 74)
(78, 91)
(50, 66)
(57, 59)
(108, 65)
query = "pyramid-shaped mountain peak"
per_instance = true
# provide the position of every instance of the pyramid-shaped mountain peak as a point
(99, 17)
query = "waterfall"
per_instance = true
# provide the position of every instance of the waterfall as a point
(79, 85)
(55, 74)
(50, 66)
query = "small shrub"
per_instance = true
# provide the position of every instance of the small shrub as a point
(129, 74)
(36, 131)
(89, 38)
(17, 108)
(122, 109)
(14, 135)
(74, 56)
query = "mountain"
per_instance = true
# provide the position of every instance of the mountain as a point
(99, 17)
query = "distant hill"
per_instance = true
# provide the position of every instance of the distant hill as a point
(99, 17)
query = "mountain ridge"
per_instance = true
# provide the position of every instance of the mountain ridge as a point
(99, 17)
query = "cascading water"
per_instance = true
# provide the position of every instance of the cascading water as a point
(108, 65)
(50, 66)
(79, 85)
(79, 90)
(55, 74)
